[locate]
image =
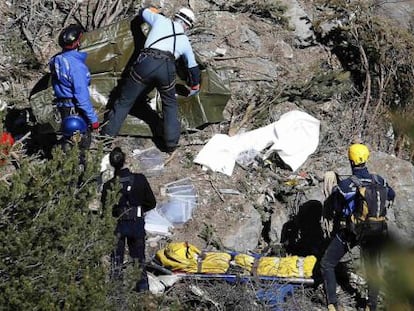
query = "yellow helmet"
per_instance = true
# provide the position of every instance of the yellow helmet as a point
(358, 154)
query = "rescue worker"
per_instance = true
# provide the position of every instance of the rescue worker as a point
(71, 79)
(155, 67)
(136, 199)
(371, 242)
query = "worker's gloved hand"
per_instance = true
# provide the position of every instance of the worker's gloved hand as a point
(95, 126)
(327, 227)
(194, 90)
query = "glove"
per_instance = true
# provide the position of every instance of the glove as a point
(194, 90)
(327, 227)
(95, 125)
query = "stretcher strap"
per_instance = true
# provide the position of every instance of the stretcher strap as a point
(301, 266)
(255, 266)
(200, 259)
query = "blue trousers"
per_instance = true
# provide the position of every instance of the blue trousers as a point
(148, 72)
(371, 247)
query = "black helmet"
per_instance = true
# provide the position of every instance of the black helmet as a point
(70, 36)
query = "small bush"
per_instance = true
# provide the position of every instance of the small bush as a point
(52, 244)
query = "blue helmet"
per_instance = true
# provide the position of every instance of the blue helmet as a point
(73, 124)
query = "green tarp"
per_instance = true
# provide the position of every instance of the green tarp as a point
(110, 49)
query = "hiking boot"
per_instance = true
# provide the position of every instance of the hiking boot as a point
(332, 307)
(170, 149)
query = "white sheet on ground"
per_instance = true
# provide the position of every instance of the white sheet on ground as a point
(156, 223)
(294, 137)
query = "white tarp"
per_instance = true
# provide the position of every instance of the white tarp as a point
(294, 137)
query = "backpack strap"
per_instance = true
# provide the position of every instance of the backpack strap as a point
(357, 182)
(129, 180)
(377, 181)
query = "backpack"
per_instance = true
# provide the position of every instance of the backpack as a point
(125, 210)
(369, 209)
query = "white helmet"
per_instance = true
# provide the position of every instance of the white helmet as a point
(187, 16)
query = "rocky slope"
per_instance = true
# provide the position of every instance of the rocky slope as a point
(261, 52)
(261, 56)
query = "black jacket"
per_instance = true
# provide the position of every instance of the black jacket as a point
(140, 195)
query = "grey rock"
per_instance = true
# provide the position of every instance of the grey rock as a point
(279, 217)
(299, 21)
(245, 234)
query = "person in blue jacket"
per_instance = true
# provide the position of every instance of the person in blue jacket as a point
(371, 239)
(155, 67)
(71, 79)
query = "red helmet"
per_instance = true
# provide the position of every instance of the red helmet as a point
(70, 36)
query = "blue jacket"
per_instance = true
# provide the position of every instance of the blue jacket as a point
(70, 80)
(346, 189)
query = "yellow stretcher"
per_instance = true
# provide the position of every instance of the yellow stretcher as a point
(183, 259)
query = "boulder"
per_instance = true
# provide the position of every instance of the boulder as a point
(299, 21)
(244, 234)
(400, 176)
(279, 217)
(401, 12)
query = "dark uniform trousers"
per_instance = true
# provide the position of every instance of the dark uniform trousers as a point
(371, 248)
(153, 68)
(133, 233)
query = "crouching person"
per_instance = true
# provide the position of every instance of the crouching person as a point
(136, 199)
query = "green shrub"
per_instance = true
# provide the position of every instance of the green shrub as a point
(52, 243)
